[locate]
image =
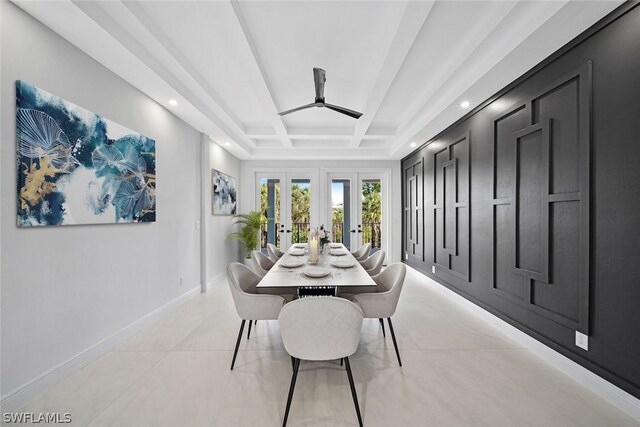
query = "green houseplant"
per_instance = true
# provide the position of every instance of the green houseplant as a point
(250, 224)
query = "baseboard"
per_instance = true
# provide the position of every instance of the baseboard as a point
(22, 395)
(603, 388)
(215, 280)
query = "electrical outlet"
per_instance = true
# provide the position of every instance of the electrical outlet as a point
(406, 256)
(181, 282)
(582, 341)
(197, 225)
(433, 269)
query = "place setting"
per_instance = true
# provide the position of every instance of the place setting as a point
(316, 272)
(343, 263)
(338, 252)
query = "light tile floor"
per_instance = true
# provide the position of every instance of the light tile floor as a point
(457, 371)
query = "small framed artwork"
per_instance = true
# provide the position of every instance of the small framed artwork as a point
(223, 191)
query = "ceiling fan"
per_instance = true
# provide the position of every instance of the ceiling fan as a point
(319, 79)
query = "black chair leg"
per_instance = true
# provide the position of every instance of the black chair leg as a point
(235, 353)
(395, 343)
(384, 335)
(341, 361)
(296, 365)
(353, 390)
(249, 331)
(293, 363)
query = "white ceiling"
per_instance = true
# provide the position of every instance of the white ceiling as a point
(232, 65)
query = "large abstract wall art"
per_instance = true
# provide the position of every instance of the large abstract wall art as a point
(75, 167)
(224, 193)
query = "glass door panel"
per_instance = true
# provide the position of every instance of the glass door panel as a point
(299, 210)
(270, 204)
(370, 224)
(341, 211)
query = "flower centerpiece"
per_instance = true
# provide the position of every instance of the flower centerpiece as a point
(324, 235)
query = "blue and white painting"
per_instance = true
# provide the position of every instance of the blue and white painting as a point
(76, 167)
(224, 193)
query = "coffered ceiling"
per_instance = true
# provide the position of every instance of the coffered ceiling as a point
(232, 65)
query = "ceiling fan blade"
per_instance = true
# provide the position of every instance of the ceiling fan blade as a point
(313, 104)
(319, 79)
(343, 110)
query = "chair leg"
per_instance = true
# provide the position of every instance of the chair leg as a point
(384, 335)
(353, 390)
(341, 361)
(235, 353)
(249, 331)
(296, 365)
(293, 363)
(395, 343)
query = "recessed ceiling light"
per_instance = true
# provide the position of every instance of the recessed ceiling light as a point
(227, 144)
(464, 104)
(413, 144)
(173, 102)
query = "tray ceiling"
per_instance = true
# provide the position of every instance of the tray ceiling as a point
(232, 65)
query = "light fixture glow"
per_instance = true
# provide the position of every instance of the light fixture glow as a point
(413, 144)
(228, 144)
(173, 102)
(465, 104)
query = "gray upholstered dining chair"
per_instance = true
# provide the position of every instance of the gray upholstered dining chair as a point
(261, 263)
(363, 252)
(250, 304)
(320, 328)
(383, 301)
(274, 252)
(373, 264)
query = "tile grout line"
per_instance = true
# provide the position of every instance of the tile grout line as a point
(144, 374)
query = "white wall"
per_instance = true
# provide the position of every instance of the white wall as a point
(219, 251)
(64, 289)
(318, 169)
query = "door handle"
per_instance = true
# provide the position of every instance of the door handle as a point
(281, 231)
(288, 231)
(359, 231)
(352, 231)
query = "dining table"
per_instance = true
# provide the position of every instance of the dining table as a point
(336, 268)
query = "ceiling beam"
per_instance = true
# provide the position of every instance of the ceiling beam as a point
(266, 90)
(220, 110)
(72, 23)
(413, 18)
(519, 22)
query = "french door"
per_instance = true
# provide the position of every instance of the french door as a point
(356, 205)
(288, 205)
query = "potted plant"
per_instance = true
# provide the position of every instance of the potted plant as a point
(250, 224)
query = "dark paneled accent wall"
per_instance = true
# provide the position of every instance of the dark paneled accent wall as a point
(530, 206)
(413, 224)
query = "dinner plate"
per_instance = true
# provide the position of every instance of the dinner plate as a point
(343, 263)
(316, 272)
(299, 246)
(297, 252)
(291, 263)
(338, 252)
(335, 245)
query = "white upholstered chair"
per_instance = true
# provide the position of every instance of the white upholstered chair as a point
(274, 252)
(383, 302)
(363, 252)
(320, 328)
(250, 304)
(373, 264)
(261, 263)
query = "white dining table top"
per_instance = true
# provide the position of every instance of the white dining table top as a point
(282, 277)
